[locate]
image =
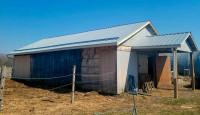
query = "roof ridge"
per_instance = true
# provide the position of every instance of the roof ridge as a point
(168, 34)
(97, 29)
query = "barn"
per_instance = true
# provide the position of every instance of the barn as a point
(104, 56)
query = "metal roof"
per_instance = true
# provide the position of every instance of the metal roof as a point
(106, 36)
(162, 41)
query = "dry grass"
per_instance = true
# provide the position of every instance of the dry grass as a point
(22, 99)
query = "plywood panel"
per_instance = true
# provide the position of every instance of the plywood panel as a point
(22, 66)
(163, 71)
(108, 69)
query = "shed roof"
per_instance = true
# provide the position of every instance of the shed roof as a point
(165, 41)
(110, 36)
(100, 37)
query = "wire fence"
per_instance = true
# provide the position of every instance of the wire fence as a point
(106, 78)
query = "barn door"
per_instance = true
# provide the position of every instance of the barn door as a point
(163, 71)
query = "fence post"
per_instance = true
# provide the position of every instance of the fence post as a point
(2, 83)
(73, 83)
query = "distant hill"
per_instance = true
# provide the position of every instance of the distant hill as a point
(4, 60)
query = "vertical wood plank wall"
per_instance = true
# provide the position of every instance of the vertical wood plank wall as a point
(21, 67)
(56, 64)
(88, 61)
(98, 62)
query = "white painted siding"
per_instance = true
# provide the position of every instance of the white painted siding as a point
(127, 60)
(126, 65)
(185, 47)
(147, 31)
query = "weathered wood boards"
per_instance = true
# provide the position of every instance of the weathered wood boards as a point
(95, 64)
(2, 84)
(175, 75)
(73, 83)
(192, 71)
(22, 66)
(56, 64)
(90, 69)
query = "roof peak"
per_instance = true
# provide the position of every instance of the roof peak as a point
(98, 29)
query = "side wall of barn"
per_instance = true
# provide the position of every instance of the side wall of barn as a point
(99, 69)
(127, 64)
(56, 64)
(127, 60)
(48, 65)
(21, 66)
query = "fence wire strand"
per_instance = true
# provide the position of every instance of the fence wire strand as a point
(38, 78)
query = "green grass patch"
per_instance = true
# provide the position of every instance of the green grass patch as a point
(180, 101)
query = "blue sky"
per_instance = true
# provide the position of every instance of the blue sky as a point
(23, 22)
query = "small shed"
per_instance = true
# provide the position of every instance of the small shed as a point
(104, 57)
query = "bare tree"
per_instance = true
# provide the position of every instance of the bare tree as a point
(4, 60)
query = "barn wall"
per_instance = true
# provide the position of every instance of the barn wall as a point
(90, 68)
(147, 31)
(108, 69)
(163, 71)
(127, 64)
(143, 64)
(21, 66)
(56, 64)
(97, 63)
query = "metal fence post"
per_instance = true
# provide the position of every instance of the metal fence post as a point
(73, 83)
(2, 83)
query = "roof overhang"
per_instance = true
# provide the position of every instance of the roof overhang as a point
(60, 49)
(185, 44)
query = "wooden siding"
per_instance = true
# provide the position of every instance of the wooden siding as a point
(90, 66)
(108, 69)
(143, 64)
(163, 71)
(56, 64)
(99, 61)
(21, 66)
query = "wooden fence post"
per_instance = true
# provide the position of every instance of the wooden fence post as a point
(192, 71)
(73, 83)
(2, 83)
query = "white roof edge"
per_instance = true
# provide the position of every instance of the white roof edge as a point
(186, 38)
(60, 49)
(190, 35)
(161, 46)
(148, 23)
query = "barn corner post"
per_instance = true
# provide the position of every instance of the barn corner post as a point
(73, 83)
(2, 83)
(192, 74)
(175, 73)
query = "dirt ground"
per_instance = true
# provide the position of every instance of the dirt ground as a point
(20, 99)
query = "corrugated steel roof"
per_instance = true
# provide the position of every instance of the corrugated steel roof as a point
(105, 36)
(170, 40)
